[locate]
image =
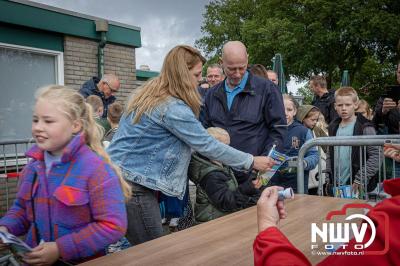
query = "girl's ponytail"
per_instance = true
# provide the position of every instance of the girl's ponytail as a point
(93, 135)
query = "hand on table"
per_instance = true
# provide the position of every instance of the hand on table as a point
(269, 209)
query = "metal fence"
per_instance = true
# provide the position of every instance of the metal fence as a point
(363, 142)
(12, 161)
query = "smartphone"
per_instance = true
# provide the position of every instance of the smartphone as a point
(392, 92)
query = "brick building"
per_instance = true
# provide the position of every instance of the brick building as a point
(41, 45)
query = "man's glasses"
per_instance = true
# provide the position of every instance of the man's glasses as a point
(235, 69)
(111, 89)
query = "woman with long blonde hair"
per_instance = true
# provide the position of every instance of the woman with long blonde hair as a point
(156, 135)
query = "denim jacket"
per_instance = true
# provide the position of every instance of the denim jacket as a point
(155, 152)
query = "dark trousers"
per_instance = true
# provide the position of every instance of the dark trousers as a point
(144, 217)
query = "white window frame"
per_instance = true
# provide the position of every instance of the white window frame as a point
(59, 62)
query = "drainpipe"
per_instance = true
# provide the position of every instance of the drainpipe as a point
(102, 28)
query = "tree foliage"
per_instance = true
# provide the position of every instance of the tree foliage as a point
(313, 36)
(306, 93)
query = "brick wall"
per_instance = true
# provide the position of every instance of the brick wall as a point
(80, 64)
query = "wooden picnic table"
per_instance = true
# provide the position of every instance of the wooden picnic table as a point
(229, 239)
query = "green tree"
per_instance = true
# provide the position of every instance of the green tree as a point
(306, 93)
(313, 36)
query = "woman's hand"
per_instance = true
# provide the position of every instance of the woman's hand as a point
(263, 163)
(45, 254)
(2, 245)
(269, 209)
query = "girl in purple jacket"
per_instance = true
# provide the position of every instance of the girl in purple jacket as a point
(70, 200)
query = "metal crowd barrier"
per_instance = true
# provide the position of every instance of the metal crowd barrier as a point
(12, 161)
(9, 260)
(362, 142)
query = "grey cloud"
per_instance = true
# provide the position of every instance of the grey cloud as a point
(163, 24)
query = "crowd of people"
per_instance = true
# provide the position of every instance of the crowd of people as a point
(77, 198)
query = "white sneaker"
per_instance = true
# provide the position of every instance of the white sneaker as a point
(174, 222)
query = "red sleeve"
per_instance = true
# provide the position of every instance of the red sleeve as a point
(271, 247)
(392, 256)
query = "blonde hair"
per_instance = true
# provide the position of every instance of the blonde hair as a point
(347, 91)
(219, 133)
(95, 101)
(73, 105)
(292, 99)
(174, 80)
(365, 104)
(321, 123)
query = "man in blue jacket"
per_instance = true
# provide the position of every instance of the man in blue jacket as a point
(105, 88)
(250, 108)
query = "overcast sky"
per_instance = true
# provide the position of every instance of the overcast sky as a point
(164, 24)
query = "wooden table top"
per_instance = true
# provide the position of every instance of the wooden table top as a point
(229, 239)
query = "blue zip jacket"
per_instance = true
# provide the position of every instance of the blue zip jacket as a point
(297, 135)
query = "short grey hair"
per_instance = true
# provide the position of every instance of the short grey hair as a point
(216, 66)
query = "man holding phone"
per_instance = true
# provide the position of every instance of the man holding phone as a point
(387, 110)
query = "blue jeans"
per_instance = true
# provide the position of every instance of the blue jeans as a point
(144, 218)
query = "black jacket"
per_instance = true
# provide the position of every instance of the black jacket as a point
(391, 119)
(256, 119)
(371, 155)
(326, 104)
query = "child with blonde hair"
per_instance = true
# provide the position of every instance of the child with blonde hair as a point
(309, 116)
(218, 192)
(347, 159)
(364, 109)
(70, 201)
(97, 105)
(114, 114)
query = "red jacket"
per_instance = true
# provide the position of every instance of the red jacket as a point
(271, 247)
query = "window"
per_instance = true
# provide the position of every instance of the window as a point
(22, 71)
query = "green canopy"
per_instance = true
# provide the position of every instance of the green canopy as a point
(277, 66)
(345, 79)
